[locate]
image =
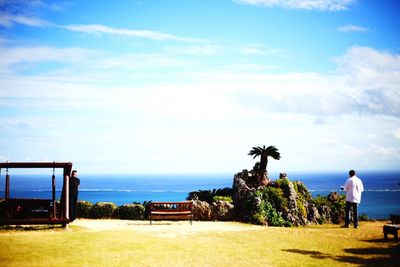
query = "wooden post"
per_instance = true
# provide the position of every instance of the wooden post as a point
(53, 183)
(7, 192)
(66, 197)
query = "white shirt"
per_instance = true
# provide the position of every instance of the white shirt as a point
(353, 187)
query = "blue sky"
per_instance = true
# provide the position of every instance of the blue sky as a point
(191, 86)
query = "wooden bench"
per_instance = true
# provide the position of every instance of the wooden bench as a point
(171, 211)
(392, 228)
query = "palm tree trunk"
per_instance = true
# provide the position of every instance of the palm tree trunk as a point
(263, 164)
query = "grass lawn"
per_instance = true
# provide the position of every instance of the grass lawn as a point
(184, 245)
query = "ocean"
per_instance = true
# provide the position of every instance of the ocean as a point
(380, 199)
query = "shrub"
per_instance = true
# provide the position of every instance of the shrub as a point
(276, 197)
(283, 183)
(131, 212)
(336, 204)
(222, 198)
(83, 209)
(208, 195)
(320, 201)
(364, 217)
(102, 210)
(273, 217)
(259, 219)
(302, 191)
(147, 206)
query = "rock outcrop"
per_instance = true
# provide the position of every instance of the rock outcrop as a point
(222, 211)
(201, 211)
(282, 202)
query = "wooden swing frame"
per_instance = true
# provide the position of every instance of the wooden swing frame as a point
(13, 206)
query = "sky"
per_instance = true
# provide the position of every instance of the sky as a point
(190, 86)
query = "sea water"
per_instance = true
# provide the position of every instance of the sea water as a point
(380, 199)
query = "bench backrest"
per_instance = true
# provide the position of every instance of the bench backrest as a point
(395, 219)
(171, 206)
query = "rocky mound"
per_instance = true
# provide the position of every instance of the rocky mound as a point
(282, 202)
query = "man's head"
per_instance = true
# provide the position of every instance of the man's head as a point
(352, 173)
(74, 173)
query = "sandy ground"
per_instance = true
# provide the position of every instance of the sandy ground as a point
(163, 228)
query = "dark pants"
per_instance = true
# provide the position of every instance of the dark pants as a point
(73, 206)
(349, 207)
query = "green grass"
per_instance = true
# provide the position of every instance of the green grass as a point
(326, 245)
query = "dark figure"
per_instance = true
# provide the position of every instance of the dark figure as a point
(74, 182)
(353, 187)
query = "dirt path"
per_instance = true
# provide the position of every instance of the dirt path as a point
(163, 228)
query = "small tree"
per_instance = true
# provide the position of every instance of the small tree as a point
(264, 153)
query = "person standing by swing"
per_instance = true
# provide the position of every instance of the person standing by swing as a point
(74, 182)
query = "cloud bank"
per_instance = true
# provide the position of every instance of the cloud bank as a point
(322, 5)
(146, 34)
(352, 28)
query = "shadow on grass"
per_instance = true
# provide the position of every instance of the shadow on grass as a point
(389, 256)
(312, 253)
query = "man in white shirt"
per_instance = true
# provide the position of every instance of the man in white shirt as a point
(353, 188)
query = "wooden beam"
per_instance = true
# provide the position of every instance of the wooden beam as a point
(7, 192)
(36, 165)
(53, 195)
(66, 197)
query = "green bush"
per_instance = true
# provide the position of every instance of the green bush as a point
(302, 209)
(283, 183)
(302, 191)
(259, 219)
(320, 201)
(273, 217)
(131, 212)
(364, 217)
(276, 197)
(103, 210)
(272, 202)
(147, 206)
(336, 204)
(83, 209)
(222, 198)
(208, 195)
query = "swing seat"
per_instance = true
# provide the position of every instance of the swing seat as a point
(23, 208)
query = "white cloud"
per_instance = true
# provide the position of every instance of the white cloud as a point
(372, 78)
(253, 51)
(352, 28)
(330, 5)
(366, 82)
(8, 20)
(146, 34)
(212, 111)
(384, 151)
(34, 54)
(200, 49)
(396, 133)
(259, 50)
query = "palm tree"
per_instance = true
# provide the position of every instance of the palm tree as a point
(270, 151)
